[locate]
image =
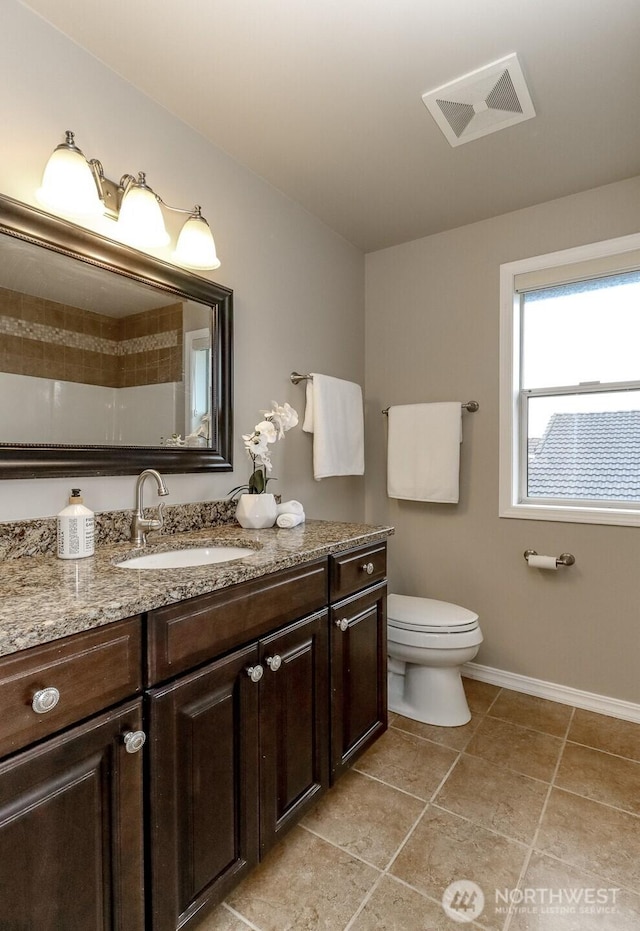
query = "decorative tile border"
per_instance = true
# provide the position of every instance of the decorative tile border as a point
(41, 332)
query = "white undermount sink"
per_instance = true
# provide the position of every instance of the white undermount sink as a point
(195, 556)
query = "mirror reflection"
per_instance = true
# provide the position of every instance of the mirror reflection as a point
(110, 360)
(96, 359)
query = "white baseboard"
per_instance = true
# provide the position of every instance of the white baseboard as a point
(590, 701)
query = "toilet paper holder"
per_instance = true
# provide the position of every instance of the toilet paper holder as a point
(564, 559)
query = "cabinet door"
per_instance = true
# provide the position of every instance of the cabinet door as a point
(203, 747)
(358, 675)
(71, 843)
(293, 724)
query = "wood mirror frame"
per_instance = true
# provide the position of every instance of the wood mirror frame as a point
(32, 460)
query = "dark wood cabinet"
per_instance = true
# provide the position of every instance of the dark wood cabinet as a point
(358, 673)
(238, 751)
(258, 695)
(204, 767)
(89, 672)
(71, 821)
(294, 741)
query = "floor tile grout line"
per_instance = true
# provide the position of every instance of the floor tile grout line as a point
(241, 917)
(390, 785)
(514, 840)
(350, 853)
(363, 904)
(519, 726)
(403, 842)
(597, 801)
(532, 845)
(618, 756)
(504, 766)
(421, 815)
(493, 700)
(437, 743)
(576, 866)
(526, 727)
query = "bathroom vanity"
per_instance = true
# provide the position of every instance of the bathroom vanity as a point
(255, 685)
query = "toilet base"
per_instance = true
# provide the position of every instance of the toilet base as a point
(431, 695)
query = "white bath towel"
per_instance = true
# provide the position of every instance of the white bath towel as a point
(335, 417)
(290, 507)
(423, 458)
(290, 520)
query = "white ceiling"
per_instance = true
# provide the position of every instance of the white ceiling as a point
(322, 98)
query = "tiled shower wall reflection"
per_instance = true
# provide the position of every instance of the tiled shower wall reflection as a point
(73, 376)
(50, 340)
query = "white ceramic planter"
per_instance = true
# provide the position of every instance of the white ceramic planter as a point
(256, 511)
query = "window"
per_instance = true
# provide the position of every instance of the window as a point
(570, 385)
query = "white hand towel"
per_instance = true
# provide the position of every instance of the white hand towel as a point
(334, 415)
(423, 459)
(290, 520)
(290, 507)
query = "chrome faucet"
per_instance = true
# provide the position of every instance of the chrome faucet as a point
(141, 525)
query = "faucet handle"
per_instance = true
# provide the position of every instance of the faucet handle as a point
(160, 521)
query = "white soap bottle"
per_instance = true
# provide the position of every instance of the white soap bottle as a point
(75, 529)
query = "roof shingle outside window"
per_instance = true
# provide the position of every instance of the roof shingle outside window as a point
(587, 455)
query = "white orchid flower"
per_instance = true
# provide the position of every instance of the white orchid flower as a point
(283, 416)
(267, 430)
(255, 443)
(275, 424)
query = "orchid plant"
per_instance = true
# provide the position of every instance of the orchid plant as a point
(276, 423)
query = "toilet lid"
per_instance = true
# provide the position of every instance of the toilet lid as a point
(428, 615)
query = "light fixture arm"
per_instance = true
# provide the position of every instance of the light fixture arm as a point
(193, 211)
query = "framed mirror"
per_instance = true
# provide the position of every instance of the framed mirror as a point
(111, 361)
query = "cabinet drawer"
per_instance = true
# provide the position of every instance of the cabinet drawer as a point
(91, 671)
(184, 635)
(357, 569)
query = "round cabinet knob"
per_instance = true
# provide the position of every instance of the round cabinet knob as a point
(45, 700)
(255, 673)
(342, 624)
(134, 741)
(274, 662)
(368, 567)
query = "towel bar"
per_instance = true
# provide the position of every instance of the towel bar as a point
(471, 406)
(296, 378)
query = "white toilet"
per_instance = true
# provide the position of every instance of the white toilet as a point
(428, 641)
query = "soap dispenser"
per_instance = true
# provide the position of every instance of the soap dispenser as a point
(75, 529)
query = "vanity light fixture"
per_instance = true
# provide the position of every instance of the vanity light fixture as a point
(76, 186)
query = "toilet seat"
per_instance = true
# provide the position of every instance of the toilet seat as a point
(427, 616)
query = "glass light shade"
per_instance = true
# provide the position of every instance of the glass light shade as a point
(68, 185)
(195, 247)
(140, 221)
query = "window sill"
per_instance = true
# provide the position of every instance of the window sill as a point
(629, 517)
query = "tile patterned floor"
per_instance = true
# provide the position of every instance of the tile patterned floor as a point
(532, 798)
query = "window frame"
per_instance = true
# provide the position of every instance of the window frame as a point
(513, 399)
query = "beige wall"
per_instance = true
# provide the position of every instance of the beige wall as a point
(432, 333)
(297, 284)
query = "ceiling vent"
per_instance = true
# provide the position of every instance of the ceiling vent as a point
(481, 102)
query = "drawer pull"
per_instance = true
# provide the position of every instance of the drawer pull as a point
(274, 662)
(45, 700)
(367, 567)
(342, 624)
(255, 673)
(134, 741)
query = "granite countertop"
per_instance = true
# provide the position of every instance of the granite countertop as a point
(43, 598)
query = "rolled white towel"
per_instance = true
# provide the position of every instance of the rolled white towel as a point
(290, 520)
(290, 507)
